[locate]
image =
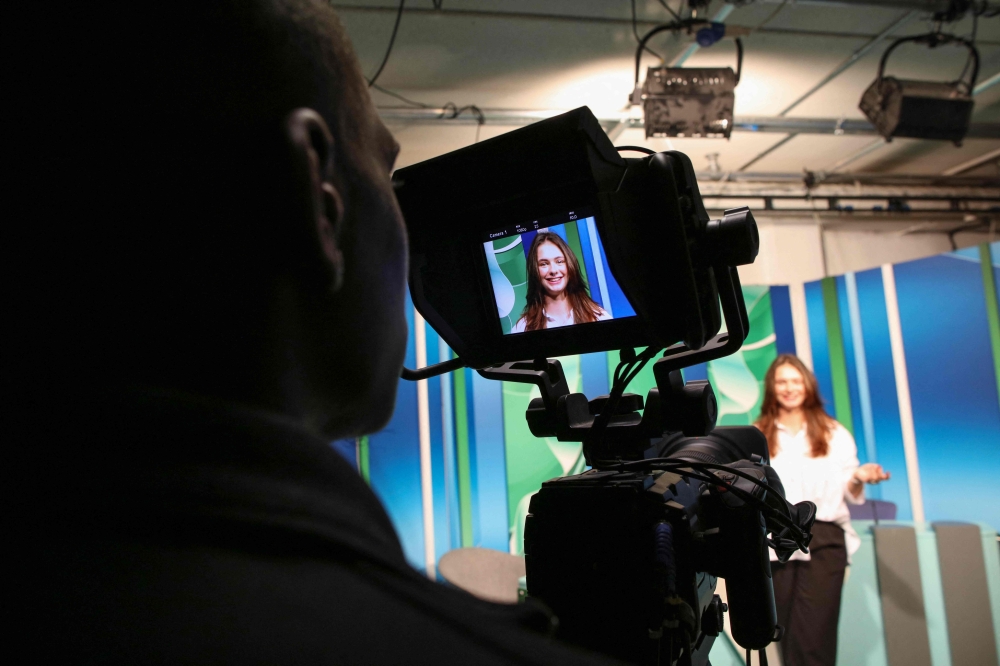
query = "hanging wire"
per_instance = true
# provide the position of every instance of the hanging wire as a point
(635, 33)
(392, 40)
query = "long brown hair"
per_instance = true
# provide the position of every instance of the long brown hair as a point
(818, 423)
(584, 307)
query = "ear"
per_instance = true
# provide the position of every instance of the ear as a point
(320, 212)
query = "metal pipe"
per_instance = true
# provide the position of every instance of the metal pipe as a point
(930, 6)
(735, 30)
(518, 117)
(987, 84)
(812, 181)
(975, 162)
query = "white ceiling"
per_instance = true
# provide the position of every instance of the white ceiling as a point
(560, 54)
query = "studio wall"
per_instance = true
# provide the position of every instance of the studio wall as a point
(907, 356)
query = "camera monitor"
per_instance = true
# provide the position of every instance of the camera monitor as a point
(545, 241)
(552, 272)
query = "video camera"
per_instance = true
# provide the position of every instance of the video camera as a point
(546, 242)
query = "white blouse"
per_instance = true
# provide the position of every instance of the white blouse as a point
(554, 322)
(822, 480)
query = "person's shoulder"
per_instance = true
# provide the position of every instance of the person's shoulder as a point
(839, 434)
(602, 314)
(519, 326)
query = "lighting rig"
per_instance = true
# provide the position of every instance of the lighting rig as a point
(688, 101)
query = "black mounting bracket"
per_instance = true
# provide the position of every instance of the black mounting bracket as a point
(671, 406)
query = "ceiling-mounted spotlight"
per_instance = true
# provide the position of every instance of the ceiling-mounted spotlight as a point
(688, 101)
(922, 109)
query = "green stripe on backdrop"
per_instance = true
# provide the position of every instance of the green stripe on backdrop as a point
(364, 459)
(838, 360)
(462, 457)
(992, 309)
(573, 236)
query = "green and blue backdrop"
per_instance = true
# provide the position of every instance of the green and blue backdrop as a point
(907, 357)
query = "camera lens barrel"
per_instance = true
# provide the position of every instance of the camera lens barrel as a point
(733, 240)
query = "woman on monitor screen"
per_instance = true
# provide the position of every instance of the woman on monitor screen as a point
(817, 460)
(557, 294)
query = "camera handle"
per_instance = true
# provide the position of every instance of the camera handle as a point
(671, 406)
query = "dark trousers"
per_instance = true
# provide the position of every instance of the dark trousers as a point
(807, 597)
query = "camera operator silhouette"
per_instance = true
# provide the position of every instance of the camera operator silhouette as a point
(557, 294)
(208, 286)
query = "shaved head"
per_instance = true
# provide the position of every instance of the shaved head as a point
(183, 224)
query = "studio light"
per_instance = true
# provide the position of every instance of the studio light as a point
(679, 101)
(922, 109)
(688, 101)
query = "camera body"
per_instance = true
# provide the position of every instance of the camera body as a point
(628, 560)
(546, 242)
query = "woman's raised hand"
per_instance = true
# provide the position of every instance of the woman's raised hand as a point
(870, 473)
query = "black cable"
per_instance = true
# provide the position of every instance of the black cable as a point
(392, 40)
(676, 25)
(637, 149)
(471, 108)
(625, 372)
(703, 472)
(972, 40)
(635, 33)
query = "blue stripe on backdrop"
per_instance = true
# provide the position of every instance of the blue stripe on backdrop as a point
(781, 315)
(394, 459)
(490, 467)
(452, 512)
(953, 391)
(594, 369)
(852, 368)
(818, 339)
(861, 365)
(699, 371)
(440, 500)
(588, 261)
(527, 238)
(882, 387)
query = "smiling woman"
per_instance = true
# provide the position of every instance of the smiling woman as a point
(557, 293)
(817, 460)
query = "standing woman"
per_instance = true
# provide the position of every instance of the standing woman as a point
(817, 460)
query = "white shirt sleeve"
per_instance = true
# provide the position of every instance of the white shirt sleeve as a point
(844, 451)
(519, 326)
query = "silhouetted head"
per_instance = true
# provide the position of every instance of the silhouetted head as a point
(203, 203)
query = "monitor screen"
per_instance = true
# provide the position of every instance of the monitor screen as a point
(552, 272)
